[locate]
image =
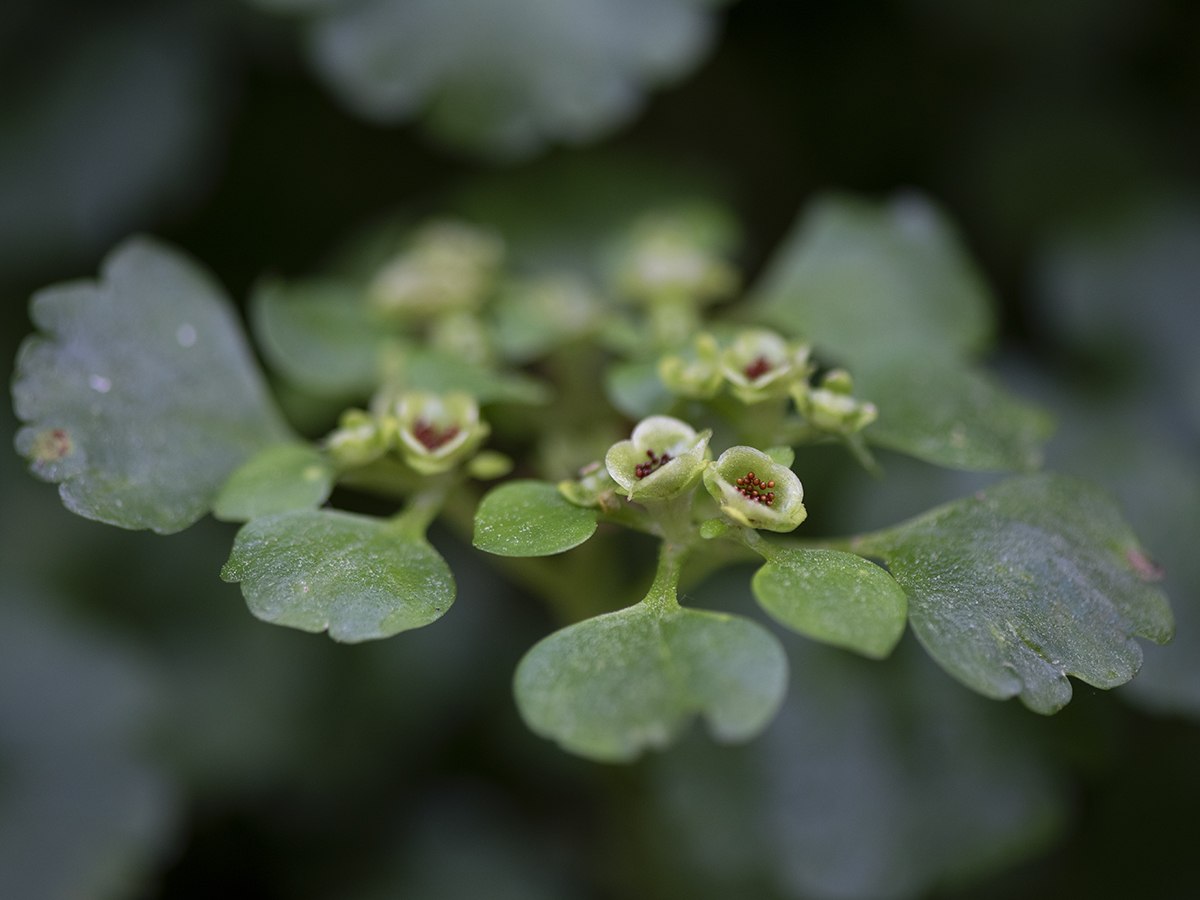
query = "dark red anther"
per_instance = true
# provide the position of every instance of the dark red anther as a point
(758, 368)
(431, 436)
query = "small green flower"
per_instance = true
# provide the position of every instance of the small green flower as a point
(831, 407)
(675, 255)
(449, 267)
(696, 374)
(360, 438)
(595, 488)
(761, 365)
(437, 432)
(663, 458)
(756, 491)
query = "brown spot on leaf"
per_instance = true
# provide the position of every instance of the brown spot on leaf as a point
(51, 445)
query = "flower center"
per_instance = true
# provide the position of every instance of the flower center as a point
(761, 366)
(431, 436)
(755, 489)
(655, 463)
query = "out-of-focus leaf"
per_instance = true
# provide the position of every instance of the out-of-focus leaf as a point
(81, 814)
(357, 577)
(838, 598)
(429, 370)
(636, 390)
(115, 127)
(1025, 583)
(141, 396)
(953, 415)
(274, 480)
(874, 283)
(505, 79)
(318, 335)
(876, 780)
(610, 687)
(530, 518)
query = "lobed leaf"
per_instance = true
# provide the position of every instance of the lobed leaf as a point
(612, 686)
(357, 577)
(530, 518)
(838, 598)
(274, 480)
(1025, 583)
(141, 396)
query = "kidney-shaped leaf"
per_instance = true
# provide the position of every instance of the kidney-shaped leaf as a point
(530, 518)
(1030, 581)
(355, 576)
(609, 687)
(274, 480)
(838, 598)
(142, 395)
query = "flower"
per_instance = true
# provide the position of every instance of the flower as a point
(360, 438)
(437, 432)
(595, 488)
(449, 267)
(696, 374)
(663, 458)
(831, 407)
(754, 490)
(761, 365)
(676, 254)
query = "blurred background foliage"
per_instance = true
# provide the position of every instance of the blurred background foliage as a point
(158, 742)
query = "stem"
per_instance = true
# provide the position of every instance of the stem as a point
(663, 592)
(414, 520)
(673, 518)
(857, 544)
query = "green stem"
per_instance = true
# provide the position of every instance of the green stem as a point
(857, 544)
(673, 518)
(414, 520)
(663, 592)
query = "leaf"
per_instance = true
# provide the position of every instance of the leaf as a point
(635, 389)
(357, 577)
(1030, 581)
(504, 79)
(276, 479)
(530, 518)
(609, 687)
(870, 283)
(876, 780)
(318, 335)
(441, 373)
(142, 396)
(953, 415)
(838, 598)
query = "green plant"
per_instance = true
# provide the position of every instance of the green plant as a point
(460, 352)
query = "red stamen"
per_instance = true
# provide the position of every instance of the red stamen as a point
(432, 436)
(758, 368)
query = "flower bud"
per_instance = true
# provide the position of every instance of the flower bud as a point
(662, 459)
(756, 491)
(449, 267)
(360, 438)
(695, 374)
(675, 255)
(831, 407)
(761, 365)
(437, 432)
(595, 488)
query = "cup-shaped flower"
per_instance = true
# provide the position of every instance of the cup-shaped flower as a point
(761, 365)
(678, 255)
(449, 267)
(755, 490)
(831, 407)
(696, 373)
(663, 458)
(438, 431)
(360, 438)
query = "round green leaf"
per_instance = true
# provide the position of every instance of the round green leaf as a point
(1030, 581)
(355, 576)
(276, 479)
(142, 395)
(609, 687)
(530, 518)
(838, 598)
